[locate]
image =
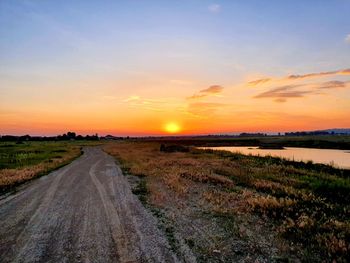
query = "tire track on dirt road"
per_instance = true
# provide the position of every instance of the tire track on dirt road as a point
(117, 231)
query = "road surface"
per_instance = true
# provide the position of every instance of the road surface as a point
(83, 212)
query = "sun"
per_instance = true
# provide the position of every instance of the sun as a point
(172, 127)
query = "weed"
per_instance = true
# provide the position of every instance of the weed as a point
(141, 191)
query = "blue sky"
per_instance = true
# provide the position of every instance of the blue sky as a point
(139, 45)
(265, 36)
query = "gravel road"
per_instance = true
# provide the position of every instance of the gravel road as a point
(83, 212)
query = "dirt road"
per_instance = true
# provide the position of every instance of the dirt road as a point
(83, 212)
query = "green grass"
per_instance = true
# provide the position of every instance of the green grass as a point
(13, 155)
(141, 190)
(21, 162)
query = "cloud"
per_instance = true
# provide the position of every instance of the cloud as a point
(281, 94)
(204, 109)
(347, 39)
(311, 75)
(214, 8)
(258, 81)
(213, 90)
(320, 74)
(333, 84)
(158, 104)
(299, 77)
(281, 100)
(201, 109)
(197, 96)
(344, 72)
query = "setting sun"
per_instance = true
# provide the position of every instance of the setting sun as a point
(172, 127)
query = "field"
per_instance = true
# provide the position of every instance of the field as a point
(223, 206)
(228, 206)
(22, 162)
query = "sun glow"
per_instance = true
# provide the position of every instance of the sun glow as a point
(172, 127)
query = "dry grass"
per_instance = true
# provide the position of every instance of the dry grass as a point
(307, 207)
(147, 160)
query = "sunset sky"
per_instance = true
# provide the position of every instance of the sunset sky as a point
(179, 67)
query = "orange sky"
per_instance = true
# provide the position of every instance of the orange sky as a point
(283, 103)
(135, 67)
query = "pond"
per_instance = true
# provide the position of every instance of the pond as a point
(336, 158)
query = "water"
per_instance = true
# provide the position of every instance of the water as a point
(336, 158)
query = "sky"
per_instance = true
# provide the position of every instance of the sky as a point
(139, 68)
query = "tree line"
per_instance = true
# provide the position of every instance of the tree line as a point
(63, 137)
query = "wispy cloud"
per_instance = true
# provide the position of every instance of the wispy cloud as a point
(258, 81)
(213, 90)
(201, 109)
(320, 74)
(347, 39)
(214, 8)
(345, 72)
(281, 94)
(159, 104)
(299, 77)
(281, 100)
(333, 84)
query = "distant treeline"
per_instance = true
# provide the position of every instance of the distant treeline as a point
(306, 133)
(63, 137)
(245, 134)
(242, 139)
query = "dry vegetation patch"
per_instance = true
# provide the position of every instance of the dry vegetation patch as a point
(208, 194)
(300, 208)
